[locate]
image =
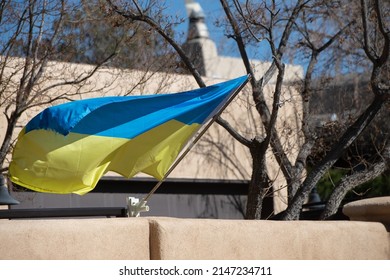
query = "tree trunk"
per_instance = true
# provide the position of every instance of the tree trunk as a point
(294, 209)
(259, 184)
(5, 147)
(351, 181)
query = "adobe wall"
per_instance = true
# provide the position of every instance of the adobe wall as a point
(171, 238)
(89, 239)
(219, 239)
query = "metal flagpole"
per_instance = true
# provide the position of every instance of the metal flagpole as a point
(134, 205)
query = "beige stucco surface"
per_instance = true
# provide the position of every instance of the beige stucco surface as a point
(172, 238)
(90, 239)
(372, 209)
(219, 239)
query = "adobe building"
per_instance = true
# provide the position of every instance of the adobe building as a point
(217, 161)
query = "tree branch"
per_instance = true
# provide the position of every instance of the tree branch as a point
(154, 25)
(82, 78)
(233, 132)
(239, 41)
(292, 212)
(349, 182)
(386, 34)
(257, 87)
(367, 42)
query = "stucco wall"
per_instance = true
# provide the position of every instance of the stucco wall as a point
(170, 238)
(219, 239)
(74, 239)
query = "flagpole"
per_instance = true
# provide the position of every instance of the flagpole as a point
(196, 139)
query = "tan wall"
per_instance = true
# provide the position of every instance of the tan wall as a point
(74, 239)
(170, 238)
(219, 239)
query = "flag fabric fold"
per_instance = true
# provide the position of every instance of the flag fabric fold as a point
(67, 148)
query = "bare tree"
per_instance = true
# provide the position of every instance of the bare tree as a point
(284, 25)
(31, 32)
(376, 37)
(42, 46)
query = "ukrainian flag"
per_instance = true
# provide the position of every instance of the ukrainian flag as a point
(69, 147)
